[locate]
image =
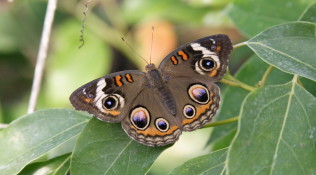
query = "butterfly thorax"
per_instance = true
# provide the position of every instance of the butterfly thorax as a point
(156, 81)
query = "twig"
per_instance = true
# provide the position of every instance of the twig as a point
(265, 76)
(240, 45)
(232, 81)
(230, 120)
(42, 54)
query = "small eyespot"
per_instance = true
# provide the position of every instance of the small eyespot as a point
(213, 47)
(189, 111)
(162, 124)
(199, 94)
(110, 102)
(90, 95)
(140, 118)
(207, 64)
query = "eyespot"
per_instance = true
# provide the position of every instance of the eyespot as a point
(110, 102)
(90, 95)
(140, 118)
(189, 111)
(207, 64)
(199, 93)
(162, 124)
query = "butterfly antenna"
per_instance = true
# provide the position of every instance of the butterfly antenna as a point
(83, 23)
(130, 47)
(152, 41)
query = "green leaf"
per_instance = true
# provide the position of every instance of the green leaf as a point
(104, 148)
(56, 166)
(137, 10)
(212, 163)
(309, 14)
(225, 140)
(277, 132)
(253, 16)
(250, 73)
(33, 135)
(289, 47)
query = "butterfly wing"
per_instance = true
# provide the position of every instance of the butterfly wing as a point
(190, 72)
(109, 97)
(197, 101)
(204, 57)
(148, 121)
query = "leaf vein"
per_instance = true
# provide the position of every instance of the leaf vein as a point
(282, 128)
(118, 156)
(282, 53)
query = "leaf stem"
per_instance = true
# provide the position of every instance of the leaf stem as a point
(295, 78)
(232, 81)
(265, 76)
(223, 122)
(240, 45)
(42, 54)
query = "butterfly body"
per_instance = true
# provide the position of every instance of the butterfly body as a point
(155, 106)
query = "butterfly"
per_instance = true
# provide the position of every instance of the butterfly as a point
(155, 106)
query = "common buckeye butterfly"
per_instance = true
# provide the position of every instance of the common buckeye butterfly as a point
(155, 106)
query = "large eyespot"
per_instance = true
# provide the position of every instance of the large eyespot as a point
(140, 118)
(110, 102)
(162, 124)
(207, 64)
(199, 94)
(189, 111)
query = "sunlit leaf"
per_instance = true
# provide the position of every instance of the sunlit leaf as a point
(289, 47)
(104, 148)
(56, 166)
(277, 132)
(211, 164)
(33, 135)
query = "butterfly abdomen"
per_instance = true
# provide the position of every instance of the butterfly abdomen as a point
(156, 81)
(167, 99)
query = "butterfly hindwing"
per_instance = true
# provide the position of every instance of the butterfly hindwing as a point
(149, 122)
(197, 101)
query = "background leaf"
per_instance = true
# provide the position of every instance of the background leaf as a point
(253, 16)
(309, 14)
(67, 63)
(212, 163)
(289, 47)
(104, 148)
(56, 166)
(276, 134)
(33, 135)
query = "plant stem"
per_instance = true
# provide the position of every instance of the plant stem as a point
(295, 78)
(230, 120)
(42, 54)
(232, 81)
(265, 76)
(240, 45)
